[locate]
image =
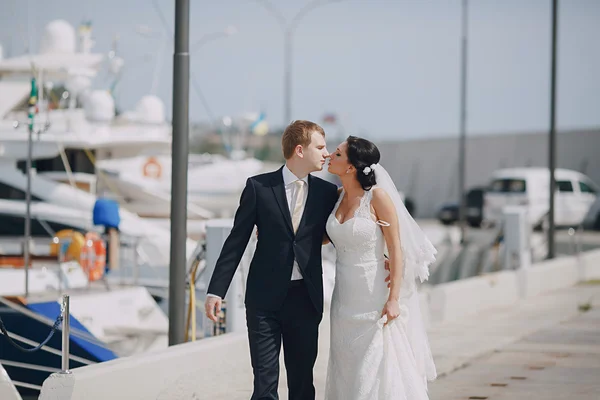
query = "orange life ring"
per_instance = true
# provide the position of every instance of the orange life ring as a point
(152, 168)
(93, 256)
(67, 244)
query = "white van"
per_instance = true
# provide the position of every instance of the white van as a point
(530, 187)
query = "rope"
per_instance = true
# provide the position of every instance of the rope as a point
(58, 321)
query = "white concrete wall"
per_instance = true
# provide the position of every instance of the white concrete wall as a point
(549, 275)
(181, 372)
(590, 265)
(466, 297)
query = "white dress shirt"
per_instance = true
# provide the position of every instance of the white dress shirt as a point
(290, 193)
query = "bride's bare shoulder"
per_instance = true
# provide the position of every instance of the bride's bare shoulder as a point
(381, 199)
(379, 193)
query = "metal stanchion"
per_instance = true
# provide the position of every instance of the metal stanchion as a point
(65, 335)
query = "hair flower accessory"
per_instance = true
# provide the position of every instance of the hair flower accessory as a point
(367, 170)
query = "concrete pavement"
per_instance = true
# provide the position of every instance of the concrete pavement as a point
(463, 349)
(556, 362)
(542, 341)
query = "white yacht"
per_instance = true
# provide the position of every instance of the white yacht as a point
(74, 128)
(126, 156)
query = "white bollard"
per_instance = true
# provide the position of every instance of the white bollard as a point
(516, 238)
(517, 245)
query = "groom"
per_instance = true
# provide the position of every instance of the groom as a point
(284, 293)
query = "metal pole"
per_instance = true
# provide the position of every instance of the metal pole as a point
(287, 76)
(27, 241)
(65, 335)
(552, 139)
(463, 124)
(288, 31)
(179, 175)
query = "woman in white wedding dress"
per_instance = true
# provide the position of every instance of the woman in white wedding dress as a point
(379, 348)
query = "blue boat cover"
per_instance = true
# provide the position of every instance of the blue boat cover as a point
(106, 213)
(51, 309)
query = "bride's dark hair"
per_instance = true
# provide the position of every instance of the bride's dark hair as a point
(361, 154)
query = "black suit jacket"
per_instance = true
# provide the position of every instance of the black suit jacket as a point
(263, 203)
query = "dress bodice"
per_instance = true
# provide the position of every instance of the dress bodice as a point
(358, 239)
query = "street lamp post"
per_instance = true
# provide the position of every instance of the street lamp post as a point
(552, 144)
(288, 33)
(462, 169)
(179, 155)
(207, 38)
(179, 176)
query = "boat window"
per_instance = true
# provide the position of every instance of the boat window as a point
(508, 186)
(8, 192)
(564, 186)
(585, 188)
(78, 162)
(14, 225)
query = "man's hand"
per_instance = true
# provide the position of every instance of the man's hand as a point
(387, 268)
(212, 308)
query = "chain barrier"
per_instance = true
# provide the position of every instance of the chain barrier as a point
(54, 328)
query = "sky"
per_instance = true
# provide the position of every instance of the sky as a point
(389, 69)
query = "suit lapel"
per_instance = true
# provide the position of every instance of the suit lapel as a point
(312, 198)
(279, 192)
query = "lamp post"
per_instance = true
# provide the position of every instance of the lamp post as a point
(205, 39)
(462, 169)
(179, 175)
(212, 36)
(552, 141)
(288, 33)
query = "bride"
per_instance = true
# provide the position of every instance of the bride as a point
(379, 348)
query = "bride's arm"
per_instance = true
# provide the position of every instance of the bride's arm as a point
(386, 215)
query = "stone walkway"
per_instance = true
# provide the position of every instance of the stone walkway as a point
(544, 347)
(539, 348)
(558, 362)
(548, 331)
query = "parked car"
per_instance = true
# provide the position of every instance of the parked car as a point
(449, 212)
(475, 202)
(529, 187)
(592, 218)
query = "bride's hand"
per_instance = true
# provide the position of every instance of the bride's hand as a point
(392, 310)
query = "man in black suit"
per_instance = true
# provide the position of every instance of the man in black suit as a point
(284, 290)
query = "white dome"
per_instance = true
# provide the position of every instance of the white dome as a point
(150, 109)
(59, 37)
(99, 106)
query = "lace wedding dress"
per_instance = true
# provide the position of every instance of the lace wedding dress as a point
(367, 360)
